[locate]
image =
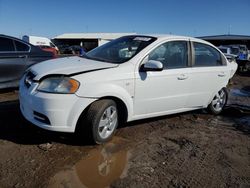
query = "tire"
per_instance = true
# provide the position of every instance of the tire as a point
(102, 119)
(219, 101)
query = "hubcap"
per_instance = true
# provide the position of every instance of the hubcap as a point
(219, 100)
(108, 122)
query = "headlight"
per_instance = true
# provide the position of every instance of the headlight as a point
(61, 84)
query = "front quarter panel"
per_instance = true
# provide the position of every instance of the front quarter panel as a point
(115, 82)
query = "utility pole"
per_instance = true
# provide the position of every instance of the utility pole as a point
(229, 29)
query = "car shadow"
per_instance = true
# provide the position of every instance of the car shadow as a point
(14, 128)
(238, 115)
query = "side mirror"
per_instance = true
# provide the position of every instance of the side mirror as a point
(152, 65)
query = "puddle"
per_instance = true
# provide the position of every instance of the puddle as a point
(243, 124)
(240, 92)
(235, 110)
(100, 168)
(245, 121)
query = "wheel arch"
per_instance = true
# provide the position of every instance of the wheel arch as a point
(121, 105)
(222, 86)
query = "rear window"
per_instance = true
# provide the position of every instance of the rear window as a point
(21, 46)
(7, 45)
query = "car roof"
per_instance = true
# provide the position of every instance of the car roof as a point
(7, 36)
(14, 38)
(168, 36)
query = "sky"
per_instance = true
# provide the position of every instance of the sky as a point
(50, 18)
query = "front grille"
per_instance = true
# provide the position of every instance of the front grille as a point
(29, 79)
(40, 117)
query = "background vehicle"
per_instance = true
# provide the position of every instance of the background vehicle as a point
(228, 50)
(43, 42)
(243, 52)
(49, 49)
(239, 52)
(130, 78)
(15, 57)
(71, 50)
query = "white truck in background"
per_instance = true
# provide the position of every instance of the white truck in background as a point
(43, 42)
(39, 41)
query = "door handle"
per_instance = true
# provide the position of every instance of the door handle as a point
(182, 77)
(221, 74)
(22, 56)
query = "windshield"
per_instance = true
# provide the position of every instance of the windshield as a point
(120, 50)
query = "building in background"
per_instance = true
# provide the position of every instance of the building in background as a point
(219, 40)
(89, 41)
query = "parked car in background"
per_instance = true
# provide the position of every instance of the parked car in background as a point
(15, 57)
(42, 42)
(243, 52)
(71, 50)
(239, 53)
(49, 49)
(229, 51)
(130, 78)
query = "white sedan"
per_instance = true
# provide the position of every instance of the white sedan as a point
(133, 77)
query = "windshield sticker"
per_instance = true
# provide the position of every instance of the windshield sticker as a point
(146, 39)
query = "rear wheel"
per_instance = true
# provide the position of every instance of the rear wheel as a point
(219, 101)
(102, 117)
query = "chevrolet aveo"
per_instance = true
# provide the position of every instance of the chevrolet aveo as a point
(133, 77)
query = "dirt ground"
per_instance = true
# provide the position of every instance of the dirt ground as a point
(193, 149)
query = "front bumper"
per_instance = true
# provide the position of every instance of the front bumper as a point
(55, 112)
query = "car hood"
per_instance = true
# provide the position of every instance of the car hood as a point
(68, 66)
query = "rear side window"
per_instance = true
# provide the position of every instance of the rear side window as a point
(21, 46)
(206, 55)
(172, 54)
(6, 45)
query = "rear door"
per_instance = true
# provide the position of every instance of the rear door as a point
(208, 74)
(12, 62)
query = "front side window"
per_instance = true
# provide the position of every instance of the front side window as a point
(7, 45)
(120, 50)
(21, 47)
(172, 54)
(206, 55)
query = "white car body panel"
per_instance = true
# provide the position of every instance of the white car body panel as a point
(154, 94)
(203, 80)
(145, 94)
(53, 106)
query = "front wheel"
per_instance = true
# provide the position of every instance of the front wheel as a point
(219, 101)
(102, 117)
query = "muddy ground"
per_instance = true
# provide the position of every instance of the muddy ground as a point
(193, 149)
